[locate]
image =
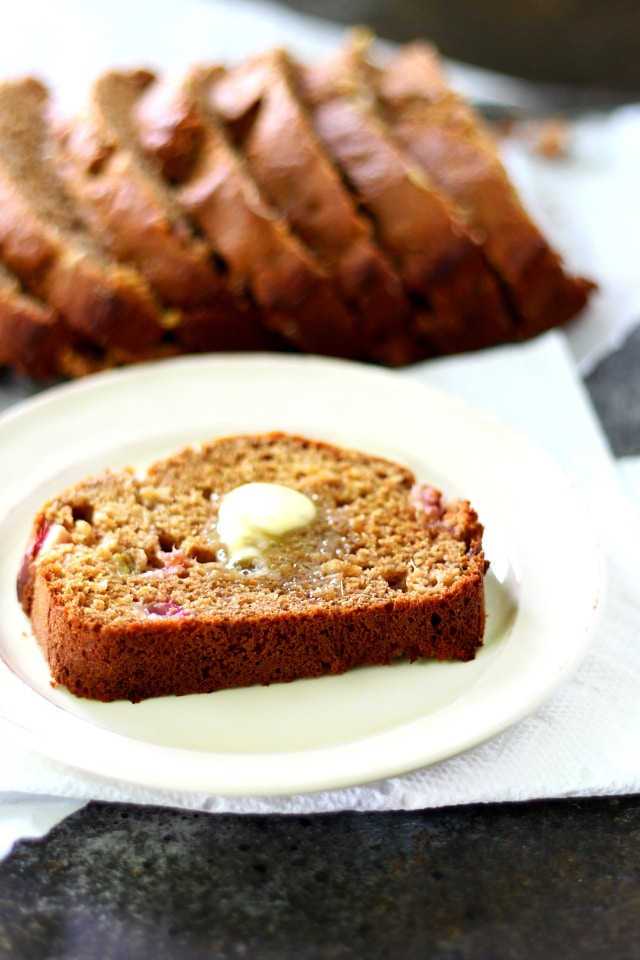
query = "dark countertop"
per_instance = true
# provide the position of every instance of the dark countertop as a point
(541, 880)
(579, 43)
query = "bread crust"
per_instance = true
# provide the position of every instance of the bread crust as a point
(139, 219)
(31, 334)
(458, 303)
(136, 663)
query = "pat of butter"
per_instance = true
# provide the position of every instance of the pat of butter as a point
(255, 514)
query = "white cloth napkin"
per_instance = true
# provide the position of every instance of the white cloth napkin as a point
(583, 741)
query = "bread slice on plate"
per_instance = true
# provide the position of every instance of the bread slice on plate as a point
(252, 559)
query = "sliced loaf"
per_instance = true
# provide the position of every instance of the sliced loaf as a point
(133, 593)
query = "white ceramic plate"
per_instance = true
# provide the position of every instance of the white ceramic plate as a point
(542, 590)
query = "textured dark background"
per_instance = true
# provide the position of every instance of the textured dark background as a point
(531, 881)
(584, 42)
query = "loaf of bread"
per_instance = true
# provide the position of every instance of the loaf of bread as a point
(353, 206)
(249, 560)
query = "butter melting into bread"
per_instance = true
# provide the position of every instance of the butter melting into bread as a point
(354, 206)
(250, 560)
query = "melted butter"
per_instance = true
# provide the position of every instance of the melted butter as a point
(254, 515)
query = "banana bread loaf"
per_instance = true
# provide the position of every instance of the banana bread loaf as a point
(183, 581)
(353, 206)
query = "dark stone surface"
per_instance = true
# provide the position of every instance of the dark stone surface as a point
(541, 880)
(586, 43)
(614, 387)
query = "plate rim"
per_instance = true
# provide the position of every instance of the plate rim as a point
(309, 777)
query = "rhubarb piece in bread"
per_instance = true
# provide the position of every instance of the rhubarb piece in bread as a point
(438, 259)
(259, 102)
(299, 298)
(137, 216)
(45, 243)
(445, 135)
(192, 579)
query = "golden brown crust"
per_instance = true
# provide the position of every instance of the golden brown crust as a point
(139, 219)
(145, 662)
(131, 596)
(31, 334)
(126, 207)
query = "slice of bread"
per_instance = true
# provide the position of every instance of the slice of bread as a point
(299, 298)
(44, 241)
(132, 592)
(441, 264)
(137, 216)
(260, 103)
(444, 134)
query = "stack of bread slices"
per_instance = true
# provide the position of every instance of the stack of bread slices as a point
(353, 207)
